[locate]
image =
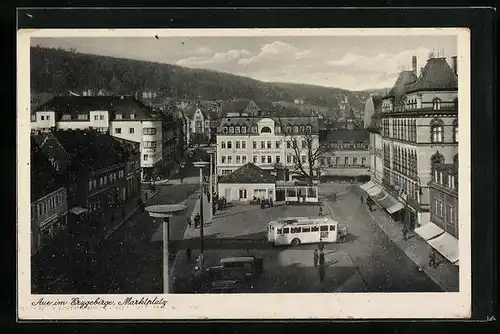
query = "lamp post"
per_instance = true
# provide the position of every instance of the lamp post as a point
(201, 164)
(211, 151)
(165, 212)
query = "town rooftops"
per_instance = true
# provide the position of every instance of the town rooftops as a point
(44, 179)
(75, 105)
(283, 121)
(436, 75)
(93, 150)
(400, 87)
(346, 136)
(248, 173)
(53, 150)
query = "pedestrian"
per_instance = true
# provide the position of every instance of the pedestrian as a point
(315, 256)
(182, 179)
(334, 197)
(189, 221)
(188, 254)
(432, 258)
(321, 211)
(361, 198)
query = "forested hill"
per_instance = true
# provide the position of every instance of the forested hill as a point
(56, 71)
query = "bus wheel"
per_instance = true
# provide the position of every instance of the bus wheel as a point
(295, 242)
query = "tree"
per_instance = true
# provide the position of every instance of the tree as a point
(305, 150)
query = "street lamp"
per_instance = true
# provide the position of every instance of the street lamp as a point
(165, 212)
(201, 164)
(211, 151)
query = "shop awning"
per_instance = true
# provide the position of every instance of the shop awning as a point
(387, 201)
(374, 191)
(395, 207)
(78, 210)
(446, 245)
(429, 231)
(367, 185)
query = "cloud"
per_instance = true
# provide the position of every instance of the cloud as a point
(381, 62)
(218, 58)
(203, 51)
(275, 52)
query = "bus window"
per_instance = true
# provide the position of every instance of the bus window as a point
(332, 227)
(314, 229)
(306, 229)
(286, 230)
(324, 228)
(278, 231)
(295, 229)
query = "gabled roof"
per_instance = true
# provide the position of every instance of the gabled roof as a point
(74, 105)
(44, 179)
(346, 136)
(436, 75)
(93, 150)
(248, 173)
(401, 85)
(53, 150)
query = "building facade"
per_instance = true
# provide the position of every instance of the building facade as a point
(373, 108)
(419, 128)
(123, 117)
(266, 142)
(247, 183)
(347, 154)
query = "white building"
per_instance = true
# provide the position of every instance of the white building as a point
(122, 117)
(265, 142)
(247, 182)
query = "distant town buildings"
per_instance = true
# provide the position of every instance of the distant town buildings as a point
(416, 127)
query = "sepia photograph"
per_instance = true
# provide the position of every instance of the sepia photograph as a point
(209, 167)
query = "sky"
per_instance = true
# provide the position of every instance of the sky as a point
(348, 62)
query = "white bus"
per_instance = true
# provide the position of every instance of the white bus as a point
(304, 230)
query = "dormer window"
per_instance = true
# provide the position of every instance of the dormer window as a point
(83, 117)
(231, 129)
(277, 129)
(302, 129)
(308, 129)
(288, 129)
(295, 129)
(436, 104)
(237, 129)
(265, 129)
(244, 129)
(33, 117)
(224, 129)
(254, 129)
(66, 117)
(132, 116)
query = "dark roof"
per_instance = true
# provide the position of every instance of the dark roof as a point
(436, 75)
(92, 149)
(74, 105)
(284, 121)
(248, 173)
(236, 105)
(44, 179)
(358, 135)
(401, 85)
(53, 150)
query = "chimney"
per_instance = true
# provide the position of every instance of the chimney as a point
(454, 64)
(414, 64)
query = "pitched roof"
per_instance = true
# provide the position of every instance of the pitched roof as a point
(236, 105)
(53, 150)
(313, 121)
(401, 85)
(74, 105)
(248, 173)
(44, 179)
(359, 135)
(436, 75)
(92, 149)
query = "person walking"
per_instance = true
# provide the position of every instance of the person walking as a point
(189, 221)
(432, 258)
(321, 211)
(361, 198)
(315, 256)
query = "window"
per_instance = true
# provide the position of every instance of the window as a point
(229, 144)
(254, 144)
(337, 160)
(229, 159)
(243, 144)
(243, 193)
(66, 117)
(237, 129)
(314, 228)
(262, 144)
(231, 129)
(149, 131)
(238, 159)
(131, 130)
(363, 161)
(42, 118)
(118, 130)
(254, 129)
(223, 144)
(149, 144)
(436, 104)
(436, 131)
(277, 159)
(277, 129)
(288, 159)
(295, 229)
(265, 129)
(304, 144)
(329, 160)
(263, 159)
(237, 144)
(455, 130)
(96, 117)
(254, 159)
(450, 214)
(288, 144)
(346, 161)
(439, 208)
(295, 129)
(308, 129)
(244, 159)
(286, 230)
(354, 161)
(279, 231)
(269, 159)
(269, 144)
(306, 229)
(101, 117)
(223, 159)
(323, 228)
(288, 129)
(277, 144)
(132, 116)
(144, 157)
(332, 227)
(224, 129)
(244, 129)
(119, 116)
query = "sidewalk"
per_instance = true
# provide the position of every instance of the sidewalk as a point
(446, 275)
(192, 232)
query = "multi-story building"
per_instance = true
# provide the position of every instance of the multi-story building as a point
(199, 124)
(347, 153)
(443, 190)
(419, 123)
(373, 108)
(266, 142)
(49, 210)
(123, 117)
